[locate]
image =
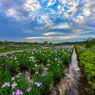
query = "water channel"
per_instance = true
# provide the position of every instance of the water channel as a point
(68, 84)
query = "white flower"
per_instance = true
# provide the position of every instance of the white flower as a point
(55, 59)
(13, 78)
(17, 76)
(14, 85)
(36, 73)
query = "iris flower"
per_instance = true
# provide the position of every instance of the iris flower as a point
(5, 65)
(6, 84)
(42, 75)
(28, 89)
(14, 85)
(18, 92)
(38, 83)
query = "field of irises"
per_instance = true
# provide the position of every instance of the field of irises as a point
(32, 72)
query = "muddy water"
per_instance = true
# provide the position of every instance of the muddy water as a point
(68, 84)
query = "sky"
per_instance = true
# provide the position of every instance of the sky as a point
(47, 20)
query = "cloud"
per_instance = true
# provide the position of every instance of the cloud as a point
(53, 33)
(32, 5)
(51, 2)
(61, 26)
(12, 10)
(86, 12)
(49, 33)
(15, 14)
(53, 38)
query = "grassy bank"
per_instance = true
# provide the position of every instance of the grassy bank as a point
(87, 64)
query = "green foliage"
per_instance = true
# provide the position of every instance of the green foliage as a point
(87, 63)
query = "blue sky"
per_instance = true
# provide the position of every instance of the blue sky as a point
(47, 20)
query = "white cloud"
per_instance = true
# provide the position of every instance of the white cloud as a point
(62, 1)
(62, 26)
(15, 14)
(79, 19)
(44, 19)
(71, 5)
(32, 5)
(51, 26)
(66, 15)
(52, 11)
(53, 33)
(51, 2)
(86, 12)
(49, 33)
(59, 7)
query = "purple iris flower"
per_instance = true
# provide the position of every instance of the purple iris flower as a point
(28, 89)
(11, 74)
(38, 83)
(18, 92)
(5, 65)
(42, 75)
(6, 84)
(45, 69)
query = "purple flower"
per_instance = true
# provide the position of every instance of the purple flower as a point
(45, 69)
(38, 83)
(58, 58)
(42, 75)
(28, 89)
(18, 92)
(11, 74)
(5, 65)
(6, 84)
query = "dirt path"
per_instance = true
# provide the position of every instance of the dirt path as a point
(9, 53)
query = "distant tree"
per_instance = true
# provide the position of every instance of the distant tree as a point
(90, 42)
(35, 42)
(45, 42)
(50, 43)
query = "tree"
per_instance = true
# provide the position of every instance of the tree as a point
(45, 42)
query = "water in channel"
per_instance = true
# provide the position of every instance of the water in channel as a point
(68, 84)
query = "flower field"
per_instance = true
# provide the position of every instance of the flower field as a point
(32, 72)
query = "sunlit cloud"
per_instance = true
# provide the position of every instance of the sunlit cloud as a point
(51, 2)
(49, 33)
(53, 38)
